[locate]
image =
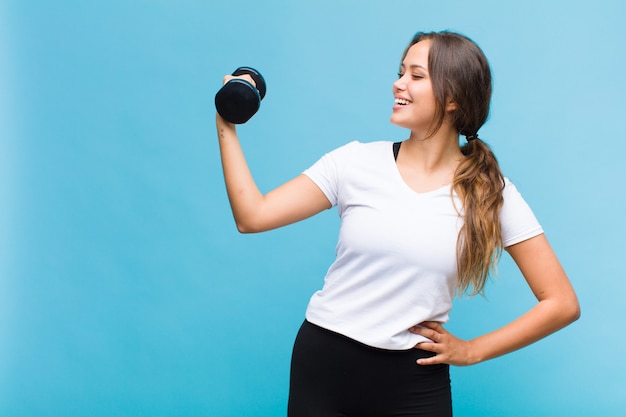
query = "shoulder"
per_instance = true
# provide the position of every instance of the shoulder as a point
(510, 191)
(354, 156)
(508, 185)
(517, 220)
(511, 195)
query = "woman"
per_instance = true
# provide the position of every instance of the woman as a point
(421, 220)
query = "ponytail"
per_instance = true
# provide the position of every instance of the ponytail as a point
(479, 183)
(460, 73)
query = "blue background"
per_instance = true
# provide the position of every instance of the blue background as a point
(125, 289)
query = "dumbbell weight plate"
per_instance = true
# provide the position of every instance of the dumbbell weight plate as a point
(238, 102)
(256, 77)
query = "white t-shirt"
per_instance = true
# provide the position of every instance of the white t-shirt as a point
(395, 260)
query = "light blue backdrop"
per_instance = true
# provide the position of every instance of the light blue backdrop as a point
(125, 289)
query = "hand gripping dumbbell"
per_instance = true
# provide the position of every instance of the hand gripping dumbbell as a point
(238, 100)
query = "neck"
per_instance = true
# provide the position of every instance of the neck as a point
(440, 151)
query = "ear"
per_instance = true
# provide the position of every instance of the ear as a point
(451, 106)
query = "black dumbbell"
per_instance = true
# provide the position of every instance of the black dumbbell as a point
(238, 100)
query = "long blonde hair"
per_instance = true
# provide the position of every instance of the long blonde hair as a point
(460, 72)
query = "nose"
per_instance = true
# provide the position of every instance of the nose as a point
(399, 84)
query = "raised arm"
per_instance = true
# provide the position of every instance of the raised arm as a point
(295, 200)
(556, 308)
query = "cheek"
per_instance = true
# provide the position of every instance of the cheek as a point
(425, 100)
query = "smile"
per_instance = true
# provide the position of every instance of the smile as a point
(402, 102)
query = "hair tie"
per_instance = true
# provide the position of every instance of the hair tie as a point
(471, 137)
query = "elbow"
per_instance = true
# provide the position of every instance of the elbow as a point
(244, 229)
(244, 224)
(575, 313)
(253, 223)
(564, 311)
(247, 227)
(570, 312)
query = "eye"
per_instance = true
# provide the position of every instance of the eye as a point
(413, 76)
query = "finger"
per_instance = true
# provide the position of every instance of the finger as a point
(433, 335)
(248, 78)
(419, 328)
(245, 77)
(434, 325)
(433, 360)
(430, 347)
(427, 346)
(415, 329)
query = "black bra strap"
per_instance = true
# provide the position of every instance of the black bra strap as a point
(396, 149)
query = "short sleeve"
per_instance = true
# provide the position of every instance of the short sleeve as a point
(517, 220)
(326, 172)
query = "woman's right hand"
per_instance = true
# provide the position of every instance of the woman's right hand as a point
(245, 77)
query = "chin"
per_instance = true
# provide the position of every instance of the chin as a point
(395, 121)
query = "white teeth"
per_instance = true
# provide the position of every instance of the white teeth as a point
(402, 102)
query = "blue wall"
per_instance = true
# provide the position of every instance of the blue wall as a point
(125, 289)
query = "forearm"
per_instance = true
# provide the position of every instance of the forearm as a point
(243, 193)
(557, 302)
(543, 319)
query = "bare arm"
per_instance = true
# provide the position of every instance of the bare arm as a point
(557, 307)
(254, 212)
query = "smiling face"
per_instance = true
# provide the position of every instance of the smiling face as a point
(415, 104)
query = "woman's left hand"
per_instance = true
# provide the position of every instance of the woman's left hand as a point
(448, 348)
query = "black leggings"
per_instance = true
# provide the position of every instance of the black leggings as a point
(334, 376)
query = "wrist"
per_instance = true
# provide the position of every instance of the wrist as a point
(224, 128)
(220, 121)
(474, 356)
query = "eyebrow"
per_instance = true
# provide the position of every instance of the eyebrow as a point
(414, 66)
